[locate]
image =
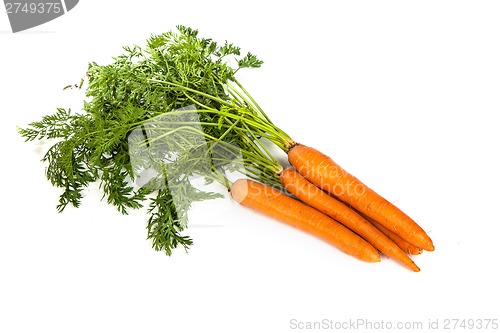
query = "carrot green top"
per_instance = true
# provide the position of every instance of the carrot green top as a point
(175, 100)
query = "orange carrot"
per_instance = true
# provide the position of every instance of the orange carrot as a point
(403, 245)
(328, 175)
(278, 205)
(322, 201)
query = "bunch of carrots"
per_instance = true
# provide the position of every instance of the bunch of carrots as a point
(335, 206)
(147, 93)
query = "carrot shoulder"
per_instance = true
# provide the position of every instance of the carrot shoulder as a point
(322, 201)
(322, 171)
(280, 206)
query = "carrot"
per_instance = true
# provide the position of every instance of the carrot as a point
(328, 175)
(280, 206)
(403, 245)
(322, 201)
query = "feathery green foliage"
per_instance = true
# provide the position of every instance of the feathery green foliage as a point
(174, 71)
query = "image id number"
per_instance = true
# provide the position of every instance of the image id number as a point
(33, 7)
(470, 324)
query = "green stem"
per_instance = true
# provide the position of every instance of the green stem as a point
(259, 121)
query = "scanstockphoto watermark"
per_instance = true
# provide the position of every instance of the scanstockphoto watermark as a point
(354, 324)
(24, 15)
(364, 324)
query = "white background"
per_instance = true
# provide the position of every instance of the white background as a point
(403, 94)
